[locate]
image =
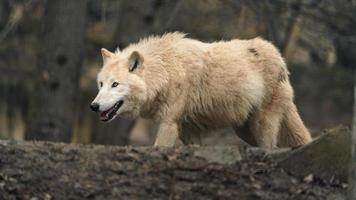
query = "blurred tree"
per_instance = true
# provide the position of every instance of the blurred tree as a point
(113, 133)
(51, 113)
(352, 175)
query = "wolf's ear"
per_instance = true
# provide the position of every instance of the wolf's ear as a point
(135, 61)
(117, 50)
(106, 54)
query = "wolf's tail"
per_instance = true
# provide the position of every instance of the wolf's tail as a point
(293, 131)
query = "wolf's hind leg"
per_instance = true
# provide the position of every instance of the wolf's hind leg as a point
(265, 123)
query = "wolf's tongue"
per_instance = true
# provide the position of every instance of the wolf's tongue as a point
(104, 113)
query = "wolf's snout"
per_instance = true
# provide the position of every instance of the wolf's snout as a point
(94, 107)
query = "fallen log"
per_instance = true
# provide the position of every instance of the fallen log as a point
(44, 170)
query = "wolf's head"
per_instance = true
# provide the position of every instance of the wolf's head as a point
(122, 86)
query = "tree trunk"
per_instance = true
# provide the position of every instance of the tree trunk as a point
(327, 157)
(53, 108)
(352, 172)
(114, 133)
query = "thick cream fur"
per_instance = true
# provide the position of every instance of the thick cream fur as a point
(185, 82)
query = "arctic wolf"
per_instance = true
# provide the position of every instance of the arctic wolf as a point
(181, 82)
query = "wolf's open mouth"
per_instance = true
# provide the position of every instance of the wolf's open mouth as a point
(110, 113)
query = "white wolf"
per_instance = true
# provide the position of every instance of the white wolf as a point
(182, 82)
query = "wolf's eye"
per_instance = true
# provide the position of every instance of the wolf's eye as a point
(101, 84)
(114, 84)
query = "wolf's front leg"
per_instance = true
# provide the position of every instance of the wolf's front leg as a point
(167, 135)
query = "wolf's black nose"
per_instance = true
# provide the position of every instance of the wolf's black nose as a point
(94, 107)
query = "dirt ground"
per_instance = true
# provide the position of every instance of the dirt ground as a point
(37, 170)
